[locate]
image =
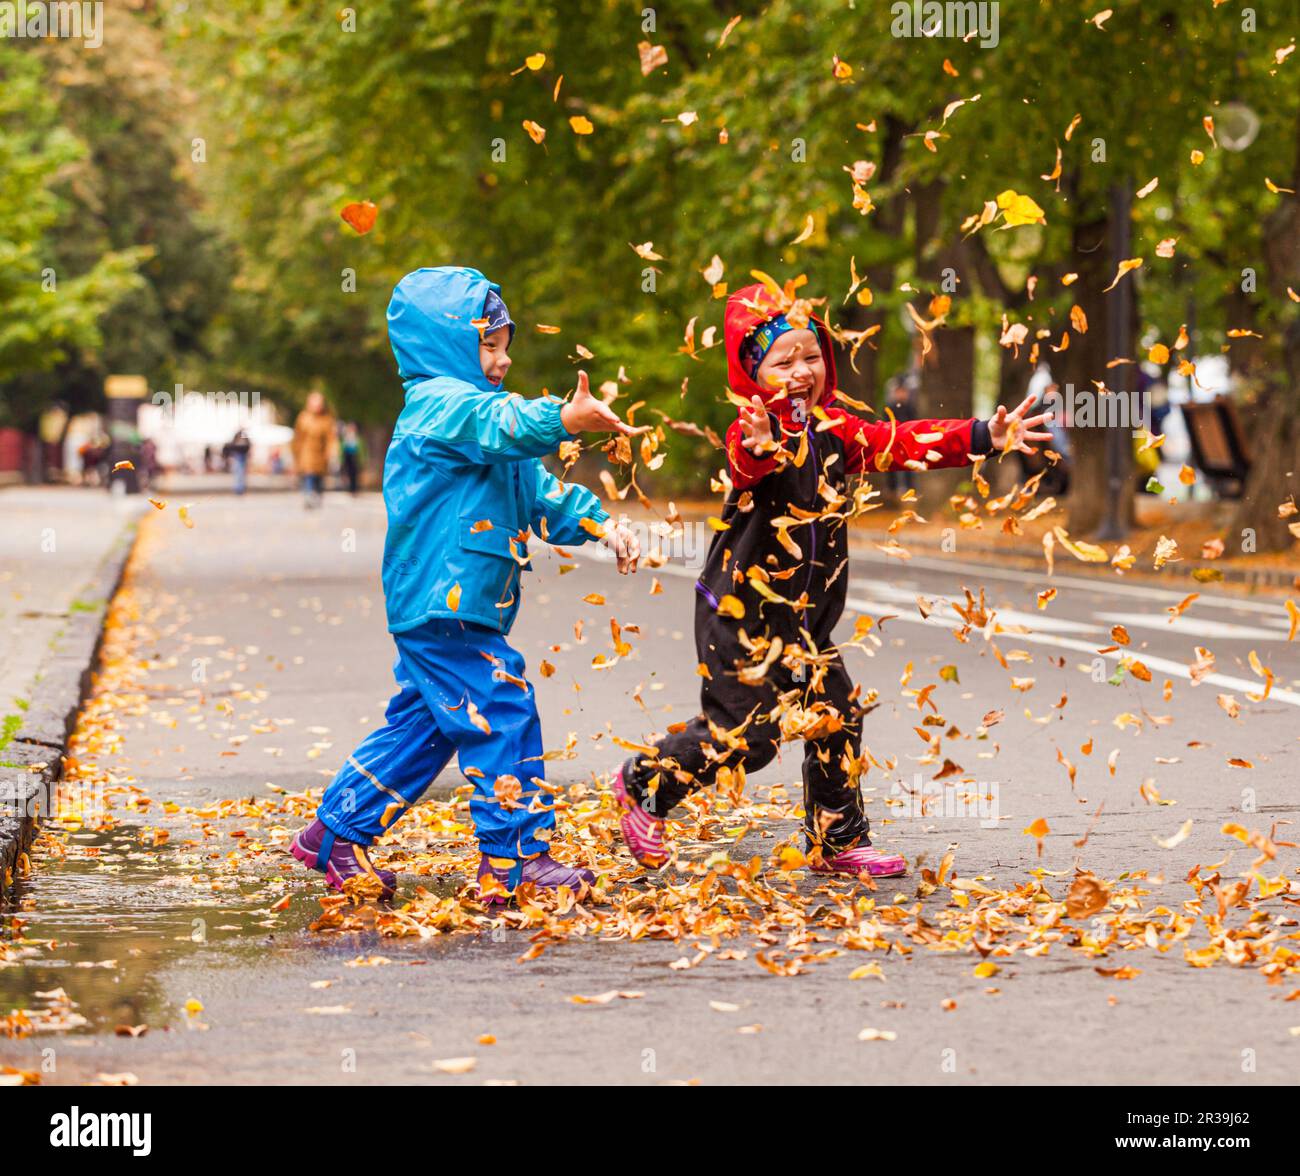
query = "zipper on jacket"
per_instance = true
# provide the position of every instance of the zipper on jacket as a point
(812, 524)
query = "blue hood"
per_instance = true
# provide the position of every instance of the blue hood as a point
(430, 325)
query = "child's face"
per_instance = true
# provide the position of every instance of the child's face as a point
(492, 354)
(795, 362)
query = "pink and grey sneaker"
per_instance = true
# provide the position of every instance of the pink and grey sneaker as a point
(320, 848)
(863, 859)
(643, 833)
(543, 871)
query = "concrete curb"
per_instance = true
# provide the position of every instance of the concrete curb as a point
(31, 764)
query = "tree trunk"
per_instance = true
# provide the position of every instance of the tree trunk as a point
(1275, 441)
(948, 370)
(1083, 362)
(376, 439)
(865, 383)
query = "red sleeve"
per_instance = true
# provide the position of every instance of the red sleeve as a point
(746, 468)
(938, 444)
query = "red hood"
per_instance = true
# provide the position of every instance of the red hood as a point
(746, 309)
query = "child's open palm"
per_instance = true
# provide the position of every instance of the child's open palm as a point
(586, 414)
(1014, 430)
(756, 428)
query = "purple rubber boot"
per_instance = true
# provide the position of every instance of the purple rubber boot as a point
(543, 871)
(318, 847)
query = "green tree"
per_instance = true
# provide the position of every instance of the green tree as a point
(47, 314)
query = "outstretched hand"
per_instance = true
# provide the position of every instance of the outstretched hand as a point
(756, 428)
(1013, 430)
(586, 414)
(623, 542)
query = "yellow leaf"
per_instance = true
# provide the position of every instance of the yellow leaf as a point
(453, 597)
(1125, 267)
(731, 606)
(1020, 210)
(872, 970)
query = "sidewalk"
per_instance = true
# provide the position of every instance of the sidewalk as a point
(61, 553)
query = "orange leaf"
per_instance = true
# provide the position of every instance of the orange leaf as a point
(361, 216)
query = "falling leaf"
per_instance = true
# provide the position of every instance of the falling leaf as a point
(1184, 832)
(726, 32)
(581, 124)
(361, 216)
(808, 227)
(731, 606)
(1039, 829)
(1020, 210)
(1125, 267)
(453, 597)
(652, 57)
(1088, 896)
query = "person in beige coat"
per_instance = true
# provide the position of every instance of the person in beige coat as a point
(313, 442)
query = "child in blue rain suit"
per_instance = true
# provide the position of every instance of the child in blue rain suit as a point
(463, 485)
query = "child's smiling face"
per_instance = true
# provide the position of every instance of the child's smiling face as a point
(795, 362)
(493, 355)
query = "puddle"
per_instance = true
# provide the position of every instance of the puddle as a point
(101, 922)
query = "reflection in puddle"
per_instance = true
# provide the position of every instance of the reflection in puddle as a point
(105, 913)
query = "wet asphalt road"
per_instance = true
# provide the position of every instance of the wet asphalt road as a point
(288, 603)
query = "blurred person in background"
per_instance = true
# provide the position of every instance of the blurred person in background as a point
(236, 453)
(353, 455)
(313, 440)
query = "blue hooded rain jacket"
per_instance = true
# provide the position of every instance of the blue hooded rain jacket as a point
(462, 480)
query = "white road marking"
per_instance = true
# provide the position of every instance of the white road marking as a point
(877, 608)
(1187, 626)
(1036, 621)
(1041, 580)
